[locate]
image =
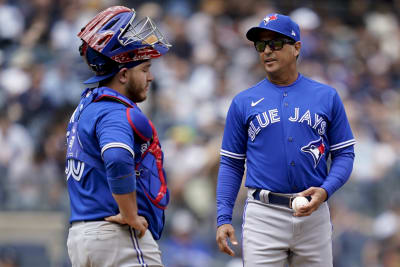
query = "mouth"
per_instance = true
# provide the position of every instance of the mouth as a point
(269, 60)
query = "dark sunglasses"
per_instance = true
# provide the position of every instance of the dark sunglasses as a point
(275, 44)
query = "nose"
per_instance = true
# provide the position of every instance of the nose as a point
(267, 49)
(150, 77)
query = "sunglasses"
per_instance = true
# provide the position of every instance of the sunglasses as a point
(275, 44)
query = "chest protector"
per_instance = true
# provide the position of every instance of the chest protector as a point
(149, 170)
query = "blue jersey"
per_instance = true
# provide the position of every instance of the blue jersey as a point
(103, 120)
(285, 134)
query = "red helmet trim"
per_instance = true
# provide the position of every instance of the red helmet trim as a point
(137, 54)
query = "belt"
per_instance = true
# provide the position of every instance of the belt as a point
(276, 199)
(86, 221)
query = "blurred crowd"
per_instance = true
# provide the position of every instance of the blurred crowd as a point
(353, 46)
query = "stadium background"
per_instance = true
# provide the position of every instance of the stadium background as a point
(352, 45)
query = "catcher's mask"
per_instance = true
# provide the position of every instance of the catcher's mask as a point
(114, 39)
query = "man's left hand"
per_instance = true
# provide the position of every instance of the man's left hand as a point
(318, 196)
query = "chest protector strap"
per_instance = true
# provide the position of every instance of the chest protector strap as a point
(75, 149)
(149, 167)
(145, 129)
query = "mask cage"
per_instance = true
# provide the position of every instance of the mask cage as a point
(145, 31)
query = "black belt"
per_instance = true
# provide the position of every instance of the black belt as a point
(277, 199)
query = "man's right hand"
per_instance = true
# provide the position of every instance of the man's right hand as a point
(139, 223)
(225, 232)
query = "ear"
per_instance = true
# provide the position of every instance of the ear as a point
(297, 47)
(123, 75)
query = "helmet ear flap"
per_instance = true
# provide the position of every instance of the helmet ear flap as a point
(98, 62)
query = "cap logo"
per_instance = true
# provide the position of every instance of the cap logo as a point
(293, 33)
(269, 18)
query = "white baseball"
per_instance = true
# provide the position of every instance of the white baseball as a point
(299, 202)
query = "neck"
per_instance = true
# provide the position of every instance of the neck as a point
(282, 80)
(283, 77)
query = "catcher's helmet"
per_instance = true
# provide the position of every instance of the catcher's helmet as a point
(113, 39)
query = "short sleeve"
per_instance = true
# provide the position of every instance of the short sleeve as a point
(339, 132)
(234, 141)
(113, 130)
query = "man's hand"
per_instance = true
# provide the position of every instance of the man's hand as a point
(129, 213)
(318, 196)
(139, 223)
(225, 232)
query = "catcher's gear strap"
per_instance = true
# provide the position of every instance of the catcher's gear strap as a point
(111, 96)
(75, 149)
(140, 124)
(149, 168)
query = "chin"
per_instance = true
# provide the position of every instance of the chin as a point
(137, 98)
(140, 99)
(273, 69)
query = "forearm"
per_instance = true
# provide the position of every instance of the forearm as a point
(120, 170)
(122, 180)
(341, 168)
(229, 180)
(127, 206)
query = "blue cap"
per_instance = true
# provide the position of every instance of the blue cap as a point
(277, 23)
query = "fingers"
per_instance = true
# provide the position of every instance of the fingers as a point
(140, 223)
(224, 233)
(233, 239)
(110, 219)
(308, 192)
(305, 211)
(115, 218)
(142, 226)
(223, 247)
(315, 192)
(318, 195)
(141, 231)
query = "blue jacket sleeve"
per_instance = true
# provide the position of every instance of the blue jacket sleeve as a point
(341, 168)
(229, 180)
(120, 170)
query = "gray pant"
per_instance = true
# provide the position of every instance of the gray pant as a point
(273, 237)
(107, 244)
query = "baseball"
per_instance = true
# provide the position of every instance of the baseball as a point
(299, 202)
